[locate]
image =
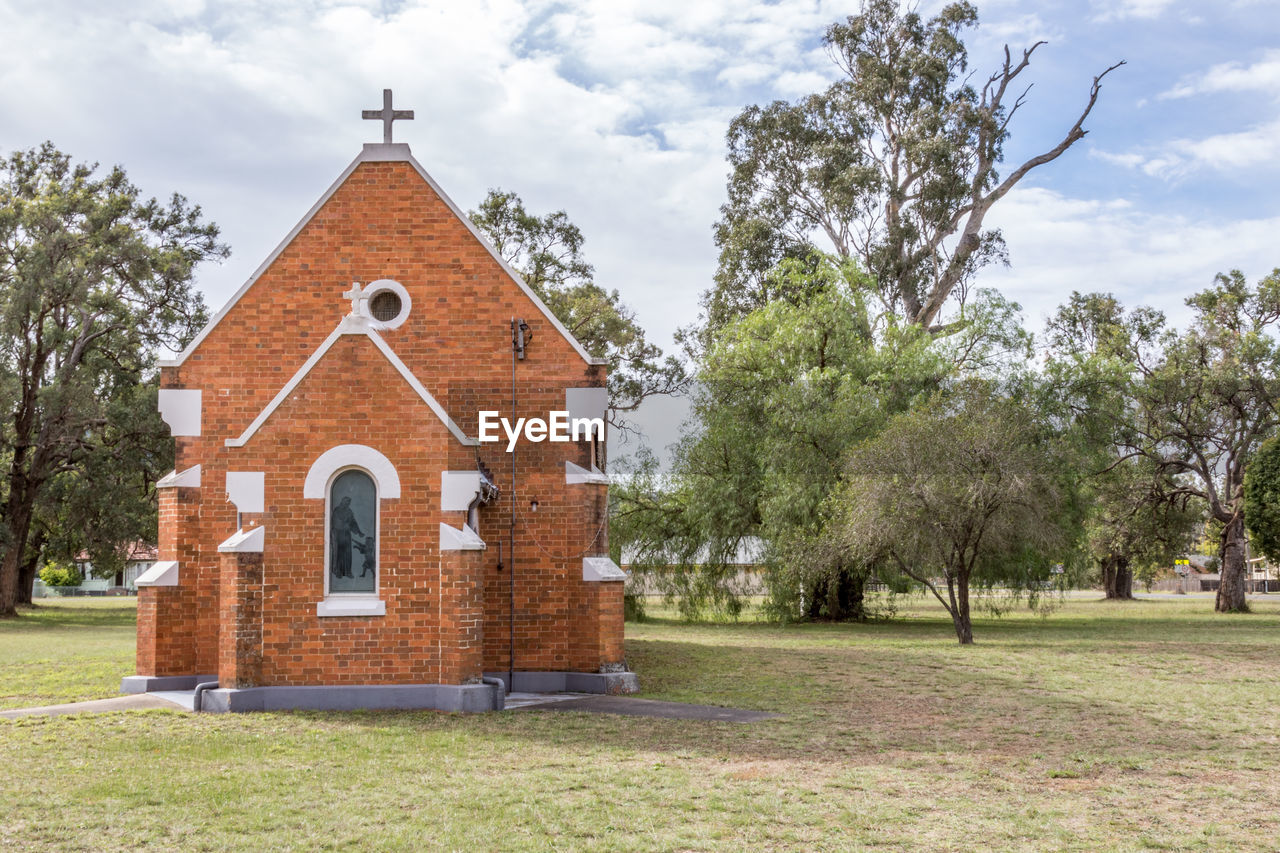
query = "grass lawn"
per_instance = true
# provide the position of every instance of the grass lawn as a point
(1149, 725)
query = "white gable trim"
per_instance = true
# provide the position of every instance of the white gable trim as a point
(350, 326)
(380, 153)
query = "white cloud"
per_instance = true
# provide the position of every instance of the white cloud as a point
(1252, 150)
(614, 110)
(1128, 161)
(1261, 76)
(1058, 244)
(1119, 10)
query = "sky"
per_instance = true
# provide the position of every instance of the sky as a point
(615, 112)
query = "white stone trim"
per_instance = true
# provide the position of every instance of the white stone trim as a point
(180, 409)
(352, 605)
(351, 325)
(595, 569)
(243, 541)
(380, 153)
(574, 474)
(247, 490)
(372, 289)
(333, 460)
(163, 573)
(189, 479)
(453, 539)
(458, 489)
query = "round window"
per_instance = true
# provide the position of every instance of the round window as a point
(385, 306)
(386, 303)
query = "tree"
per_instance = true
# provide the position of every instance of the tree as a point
(93, 280)
(1262, 499)
(1133, 524)
(782, 396)
(896, 165)
(968, 490)
(1196, 404)
(547, 252)
(107, 504)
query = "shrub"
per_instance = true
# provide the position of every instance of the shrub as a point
(55, 575)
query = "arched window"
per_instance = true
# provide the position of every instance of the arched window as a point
(351, 549)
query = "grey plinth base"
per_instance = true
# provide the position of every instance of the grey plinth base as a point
(402, 697)
(612, 683)
(154, 683)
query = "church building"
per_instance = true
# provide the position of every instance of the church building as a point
(341, 530)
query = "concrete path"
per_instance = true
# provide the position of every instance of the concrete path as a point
(600, 704)
(135, 702)
(515, 701)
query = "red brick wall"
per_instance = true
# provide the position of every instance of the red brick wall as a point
(447, 614)
(240, 620)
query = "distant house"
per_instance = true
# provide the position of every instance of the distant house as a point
(1197, 577)
(141, 556)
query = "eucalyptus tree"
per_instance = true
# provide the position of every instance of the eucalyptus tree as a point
(547, 252)
(897, 165)
(1195, 404)
(93, 280)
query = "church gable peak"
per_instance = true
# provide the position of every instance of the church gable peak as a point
(384, 152)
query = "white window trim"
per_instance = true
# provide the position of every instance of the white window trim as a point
(373, 289)
(328, 464)
(353, 603)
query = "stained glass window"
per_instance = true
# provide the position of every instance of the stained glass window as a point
(353, 530)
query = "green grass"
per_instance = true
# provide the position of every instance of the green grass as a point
(1149, 725)
(66, 650)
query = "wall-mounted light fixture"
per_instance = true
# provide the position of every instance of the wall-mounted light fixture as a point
(533, 505)
(520, 337)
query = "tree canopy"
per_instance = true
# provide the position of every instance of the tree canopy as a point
(94, 279)
(897, 165)
(547, 252)
(1195, 404)
(970, 489)
(1262, 499)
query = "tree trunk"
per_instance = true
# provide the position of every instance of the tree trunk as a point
(849, 597)
(18, 520)
(1108, 576)
(1124, 581)
(27, 574)
(1117, 578)
(840, 597)
(960, 616)
(31, 565)
(1234, 571)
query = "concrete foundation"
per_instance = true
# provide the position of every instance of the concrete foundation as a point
(468, 698)
(612, 683)
(373, 697)
(160, 683)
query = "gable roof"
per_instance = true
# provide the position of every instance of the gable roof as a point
(381, 153)
(350, 325)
